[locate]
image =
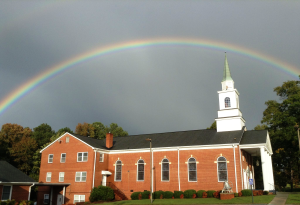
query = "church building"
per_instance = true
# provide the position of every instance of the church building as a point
(198, 159)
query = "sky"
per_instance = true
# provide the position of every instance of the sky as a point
(149, 66)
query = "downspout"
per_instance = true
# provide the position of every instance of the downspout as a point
(178, 172)
(94, 169)
(236, 185)
(30, 191)
(241, 168)
(64, 193)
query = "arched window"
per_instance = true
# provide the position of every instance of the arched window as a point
(118, 171)
(165, 170)
(222, 169)
(227, 102)
(140, 169)
(192, 169)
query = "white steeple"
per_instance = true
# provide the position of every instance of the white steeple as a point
(229, 114)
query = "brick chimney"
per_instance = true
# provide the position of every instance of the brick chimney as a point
(109, 140)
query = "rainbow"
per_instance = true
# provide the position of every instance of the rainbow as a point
(52, 72)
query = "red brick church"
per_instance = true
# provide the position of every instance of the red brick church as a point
(198, 159)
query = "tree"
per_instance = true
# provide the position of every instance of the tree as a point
(42, 134)
(85, 129)
(100, 130)
(280, 118)
(116, 130)
(213, 126)
(261, 127)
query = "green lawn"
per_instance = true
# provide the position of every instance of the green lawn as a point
(237, 200)
(293, 199)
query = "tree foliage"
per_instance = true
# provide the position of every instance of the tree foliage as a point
(85, 129)
(213, 126)
(280, 117)
(42, 134)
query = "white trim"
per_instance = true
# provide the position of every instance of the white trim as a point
(189, 169)
(178, 172)
(137, 170)
(94, 168)
(218, 168)
(49, 158)
(161, 178)
(101, 153)
(10, 192)
(116, 171)
(241, 165)
(63, 136)
(62, 157)
(29, 191)
(106, 173)
(236, 185)
(62, 176)
(81, 176)
(47, 176)
(79, 198)
(87, 157)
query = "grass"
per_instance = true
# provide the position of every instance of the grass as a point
(265, 199)
(293, 199)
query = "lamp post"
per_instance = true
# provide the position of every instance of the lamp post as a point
(148, 139)
(297, 128)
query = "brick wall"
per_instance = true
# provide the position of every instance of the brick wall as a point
(20, 192)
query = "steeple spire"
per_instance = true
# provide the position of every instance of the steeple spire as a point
(226, 74)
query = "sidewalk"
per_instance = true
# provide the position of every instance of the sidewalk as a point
(281, 198)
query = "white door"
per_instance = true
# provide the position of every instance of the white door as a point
(245, 180)
(59, 199)
(103, 180)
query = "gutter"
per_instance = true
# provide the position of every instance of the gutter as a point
(30, 191)
(94, 169)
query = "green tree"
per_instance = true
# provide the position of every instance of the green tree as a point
(280, 117)
(116, 130)
(261, 127)
(42, 134)
(213, 126)
(85, 129)
(100, 130)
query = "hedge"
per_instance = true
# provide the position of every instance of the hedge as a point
(236, 194)
(104, 193)
(200, 193)
(177, 194)
(135, 195)
(246, 192)
(265, 193)
(210, 193)
(8, 202)
(168, 195)
(157, 194)
(189, 193)
(145, 195)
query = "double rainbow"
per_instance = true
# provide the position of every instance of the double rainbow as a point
(52, 72)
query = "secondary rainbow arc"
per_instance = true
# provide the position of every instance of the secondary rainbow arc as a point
(51, 72)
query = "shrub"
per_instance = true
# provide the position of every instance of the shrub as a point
(189, 193)
(104, 193)
(236, 194)
(177, 194)
(135, 195)
(216, 194)
(9, 202)
(240, 194)
(260, 192)
(210, 193)
(200, 193)
(168, 195)
(204, 195)
(246, 192)
(145, 194)
(265, 193)
(157, 194)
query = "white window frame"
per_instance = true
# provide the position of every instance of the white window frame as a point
(47, 176)
(10, 192)
(61, 176)
(116, 164)
(218, 168)
(228, 103)
(101, 157)
(67, 139)
(46, 197)
(80, 177)
(81, 198)
(61, 157)
(137, 171)
(163, 170)
(188, 164)
(50, 159)
(82, 156)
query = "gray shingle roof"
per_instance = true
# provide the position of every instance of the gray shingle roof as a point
(9, 173)
(254, 137)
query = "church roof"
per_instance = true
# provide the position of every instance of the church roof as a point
(226, 73)
(181, 138)
(9, 173)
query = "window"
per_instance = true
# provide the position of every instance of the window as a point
(48, 177)
(6, 193)
(227, 102)
(165, 168)
(80, 177)
(82, 156)
(79, 198)
(67, 139)
(222, 169)
(192, 169)
(50, 158)
(46, 198)
(141, 168)
(101, 157)
(63, 158)
(118, 171)
(61, 176)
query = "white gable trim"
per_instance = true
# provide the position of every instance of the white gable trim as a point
(61, 137)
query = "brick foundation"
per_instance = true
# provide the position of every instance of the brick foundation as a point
(225, 196)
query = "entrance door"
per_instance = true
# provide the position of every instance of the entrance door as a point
(104, 180)
(59, 199)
